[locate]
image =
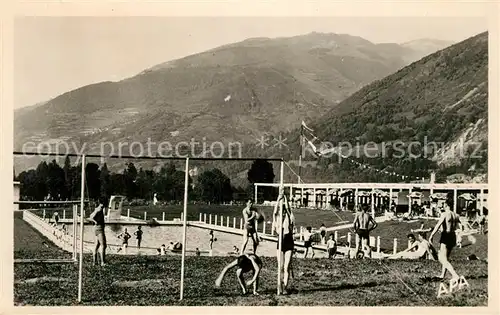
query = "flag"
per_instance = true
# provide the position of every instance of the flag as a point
(305, 126)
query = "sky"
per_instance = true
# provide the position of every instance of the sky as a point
(53, 55)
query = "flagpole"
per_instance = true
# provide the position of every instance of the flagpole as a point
(300, 151)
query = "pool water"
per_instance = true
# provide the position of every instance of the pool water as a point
(154, 237)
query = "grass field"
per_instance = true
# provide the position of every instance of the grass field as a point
(154, 280)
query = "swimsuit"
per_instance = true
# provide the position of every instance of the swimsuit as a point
(448, 238)
(363, 233)
(99, 227)
(245, 263)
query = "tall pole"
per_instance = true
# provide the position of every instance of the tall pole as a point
(75, 231)
(186, 186)
(82, 216)
(280, 234)
(301, 147)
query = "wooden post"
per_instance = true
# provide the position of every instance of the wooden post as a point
(200, 217)
(227, 221)
(378, 244)
(241, 223)
(204, 218)
(264, 227)
(349, 239)
(455, 200)
(234, 222)
(216, 220)
(145, 215)
(128, 214)
(409, 201)
(395, 248)
(373, 202)
(210, 219)
(481, 203)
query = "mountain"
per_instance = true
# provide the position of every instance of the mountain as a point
(234, 92)
(439, 103)
(423, 47)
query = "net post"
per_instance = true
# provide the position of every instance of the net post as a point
(186, 186)
(75, 229)
(280, 234)
(82, 214)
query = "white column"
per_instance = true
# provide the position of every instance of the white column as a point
(349, 239)
(200, 217)
(44, 214)
(301, 196)
(204, 218)
(234, 222)
(210, 219)
(264, 227)
(315, 200)
(227, 221)
(163, 216)
(356, 199)
(145, 215)
(241, 224)
(378, 244)
(395, 248)
(64, 214)
(215, 221)
(255, 193)
(336, 236)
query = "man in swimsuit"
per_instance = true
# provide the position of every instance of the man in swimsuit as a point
(448, 222)
(287, 240)
(245, 263)
(97, 217)
(124, 236)
(138, 236)
(362, 228)
(250, 219)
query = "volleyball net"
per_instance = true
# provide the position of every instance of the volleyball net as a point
(147, 192)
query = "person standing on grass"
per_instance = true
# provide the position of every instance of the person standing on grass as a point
(449, 223)
(124, 236)
(362, 227)
(322, 232)
(250, 217)
(308, 242)
(331, 247)
(97, 217)
(138, 236)
(287, 240)
(212, 239)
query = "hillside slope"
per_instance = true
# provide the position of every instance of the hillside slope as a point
(234, 92)
(440, 100)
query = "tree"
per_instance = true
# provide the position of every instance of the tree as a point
(68, 191)
(55, 181)
(130, 177)
(261, 171)
(214, 186)
(105, 181)
(93, 183)
(42, 172)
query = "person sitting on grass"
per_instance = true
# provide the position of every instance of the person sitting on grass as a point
(331, 247)
(162, 251)
(244, 263)
(420, 249)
